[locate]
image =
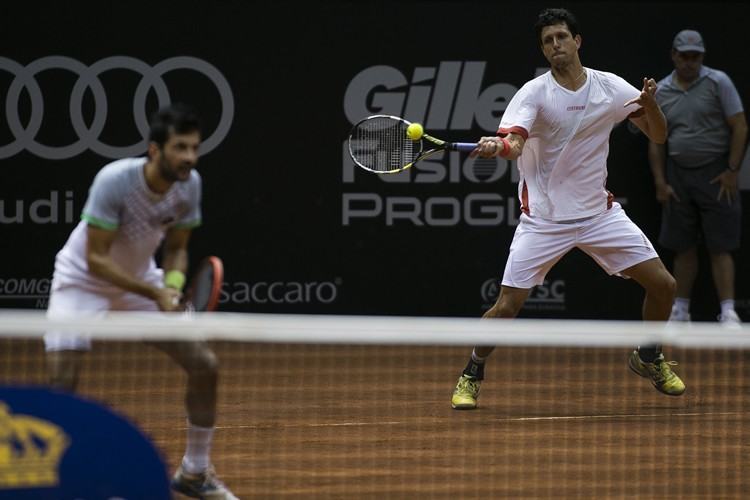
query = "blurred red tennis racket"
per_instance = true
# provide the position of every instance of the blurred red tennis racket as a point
(202, 293)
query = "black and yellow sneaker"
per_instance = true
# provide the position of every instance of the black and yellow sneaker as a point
(659, 372)
(466, 393)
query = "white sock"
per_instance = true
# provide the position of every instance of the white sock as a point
(196, 459)
(727, 305)
(681, 305)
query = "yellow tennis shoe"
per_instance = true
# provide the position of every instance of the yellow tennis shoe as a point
(466, 393)
(660, 373)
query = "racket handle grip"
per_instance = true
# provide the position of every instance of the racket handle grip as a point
(465, 147)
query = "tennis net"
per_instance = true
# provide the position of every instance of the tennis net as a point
(359, 406)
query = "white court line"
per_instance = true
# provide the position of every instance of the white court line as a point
(624, 415)
(510, 419)
(324, 424)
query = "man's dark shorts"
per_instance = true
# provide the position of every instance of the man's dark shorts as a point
(699, 212)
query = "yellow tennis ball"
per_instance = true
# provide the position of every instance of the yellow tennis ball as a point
(414, 131)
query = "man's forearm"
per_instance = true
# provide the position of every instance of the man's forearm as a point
(657, 124)
(103, 267)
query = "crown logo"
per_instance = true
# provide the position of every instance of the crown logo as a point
(30, 450)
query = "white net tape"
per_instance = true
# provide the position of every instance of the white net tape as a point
(333, 329)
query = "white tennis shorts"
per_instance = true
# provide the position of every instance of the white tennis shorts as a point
(70, 301)
(610, 238)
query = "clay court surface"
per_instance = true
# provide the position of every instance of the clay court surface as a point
(325, 421)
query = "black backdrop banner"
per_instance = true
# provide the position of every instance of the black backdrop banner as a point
(299, 227)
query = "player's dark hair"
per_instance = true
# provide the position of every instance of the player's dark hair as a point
(177, 118)
(550, 17)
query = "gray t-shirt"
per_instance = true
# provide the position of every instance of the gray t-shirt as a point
(120, 200)
(697, 117)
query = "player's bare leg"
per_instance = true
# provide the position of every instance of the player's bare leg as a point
(659, 285)
(64, 368)
(648, 361)
(195, 476)
(202, 369)
(508, 305)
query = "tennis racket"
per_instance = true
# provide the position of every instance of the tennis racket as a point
(202, 293)
(379, 144)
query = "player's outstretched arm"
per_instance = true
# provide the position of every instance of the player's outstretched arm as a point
(649, 118)
(508, 147)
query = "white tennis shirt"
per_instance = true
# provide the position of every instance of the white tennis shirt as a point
(120, 200)
(563, 165)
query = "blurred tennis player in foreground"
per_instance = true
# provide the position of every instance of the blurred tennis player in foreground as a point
(557, 126)
(108, 264)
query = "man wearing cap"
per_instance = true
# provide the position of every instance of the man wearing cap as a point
(695, 172)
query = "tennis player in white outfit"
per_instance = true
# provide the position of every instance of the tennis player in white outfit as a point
(557, 127)
(134, 206)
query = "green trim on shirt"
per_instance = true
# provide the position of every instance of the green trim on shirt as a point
(100, 223)
(188, 225)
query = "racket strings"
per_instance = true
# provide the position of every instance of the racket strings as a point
(201, 287)
(380, 144)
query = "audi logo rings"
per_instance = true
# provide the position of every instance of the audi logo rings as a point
(88, 78)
